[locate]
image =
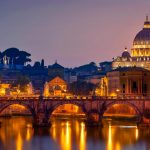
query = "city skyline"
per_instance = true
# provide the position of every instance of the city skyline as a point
(73, 33)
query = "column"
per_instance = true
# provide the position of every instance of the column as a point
(139, 87)
(130, 87)
(127, 86)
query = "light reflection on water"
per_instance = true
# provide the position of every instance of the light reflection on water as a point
(17, 134)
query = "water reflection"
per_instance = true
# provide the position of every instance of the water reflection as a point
(109, 146)
(82, 137)
(14, 132)
(17, 134)
(19, 142)
(69, 133)
(120, 136)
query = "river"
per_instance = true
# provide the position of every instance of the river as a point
(17, 133)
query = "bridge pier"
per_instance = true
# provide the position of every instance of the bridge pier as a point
(94, 120)
(41, 120)
(144, 122)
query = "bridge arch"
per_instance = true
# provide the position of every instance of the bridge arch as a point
(133, 106)
(27, 106)
(55, 106)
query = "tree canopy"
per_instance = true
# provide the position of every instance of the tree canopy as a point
(16, 56)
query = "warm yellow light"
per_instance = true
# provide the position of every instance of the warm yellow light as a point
(117, 90)
(109, 147)
(2, 91)
(54, 131)
(113, 94)
(28, 135)
(118, 146)
(46, 90)
(82, 137)
(19, 142)
(68, 137)
(136, 133)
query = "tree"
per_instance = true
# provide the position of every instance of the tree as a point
(12, 54)
(23, 58)
(15, 56)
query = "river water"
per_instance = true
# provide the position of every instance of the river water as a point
(16, 133)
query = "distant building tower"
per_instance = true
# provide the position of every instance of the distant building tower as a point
(42, 63)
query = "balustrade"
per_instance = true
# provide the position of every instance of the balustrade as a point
(102, 98)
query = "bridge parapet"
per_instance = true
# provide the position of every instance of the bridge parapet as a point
(98, 98)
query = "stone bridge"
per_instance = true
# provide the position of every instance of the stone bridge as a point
(41, 108)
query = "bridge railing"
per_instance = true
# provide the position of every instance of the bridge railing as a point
(68, 98)
(19, 98)
(126, 97)
(100, 98)
(76, 98)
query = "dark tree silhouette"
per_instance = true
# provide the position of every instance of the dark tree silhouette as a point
(23, 58)
(15, 56)
(12, 54)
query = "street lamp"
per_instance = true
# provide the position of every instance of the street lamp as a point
(117, 91)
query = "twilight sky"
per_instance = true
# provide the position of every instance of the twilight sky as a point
(74, 32)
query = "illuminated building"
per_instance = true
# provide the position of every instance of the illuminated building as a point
(128, 81)
(140, 51)
(30, 89)
(7, 90)
(55, 87)
(4, 89)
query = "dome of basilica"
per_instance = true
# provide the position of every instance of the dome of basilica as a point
(141, 43)
(143, 37)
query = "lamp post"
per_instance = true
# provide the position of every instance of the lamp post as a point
(117, 91)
